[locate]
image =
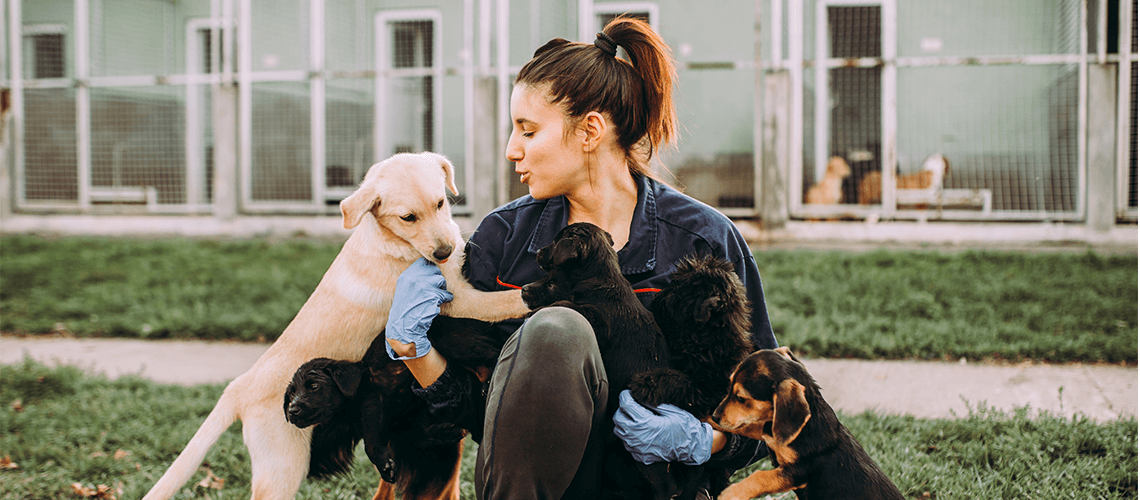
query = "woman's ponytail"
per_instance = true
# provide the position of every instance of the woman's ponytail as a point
(653, 61)
(637, 95)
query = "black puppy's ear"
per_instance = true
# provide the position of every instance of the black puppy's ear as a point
(566, 250)
(791, 411)
(787, 353)
(347, 377)
(543, 258)
(706, 309)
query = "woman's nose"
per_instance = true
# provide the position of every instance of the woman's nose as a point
(514, 152)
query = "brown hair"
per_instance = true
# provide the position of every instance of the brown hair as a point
(637, 95)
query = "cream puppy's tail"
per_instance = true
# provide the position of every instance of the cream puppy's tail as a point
(187, 462)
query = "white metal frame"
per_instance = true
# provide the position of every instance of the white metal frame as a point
(385, 71)
(616, 8)
(196, 84)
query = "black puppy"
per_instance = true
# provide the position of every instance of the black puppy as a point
(583, 274)
(372, 400)
(706, 318)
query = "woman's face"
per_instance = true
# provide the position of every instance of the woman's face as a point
(548, 161)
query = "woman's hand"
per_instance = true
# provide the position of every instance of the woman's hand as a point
(670, 435)
(420, 290)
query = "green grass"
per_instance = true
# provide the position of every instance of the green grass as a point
(921, 304)
(177, 288)
(938, 305)
(71, 425)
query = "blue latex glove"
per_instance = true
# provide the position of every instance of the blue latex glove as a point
(420, 290)
(674, 435)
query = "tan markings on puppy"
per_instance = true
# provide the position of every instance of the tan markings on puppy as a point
(742, 414)
(385, 491)
(789, 418)
(759, 483)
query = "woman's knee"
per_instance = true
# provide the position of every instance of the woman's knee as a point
(558, 329)
(555, 336)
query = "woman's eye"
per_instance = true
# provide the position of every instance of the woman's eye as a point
(408, 218)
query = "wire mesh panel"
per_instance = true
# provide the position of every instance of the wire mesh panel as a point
(350, 97)
(137, 141)
(855, 99)
(1011, 130)
(45, 55)
(1132, 196)
(1130, 151)
(50, 173)
(349, 112)
(281, 150)
(118, 26)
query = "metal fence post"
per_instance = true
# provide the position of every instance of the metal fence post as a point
(225, 125)
(1101, 147)
(776, 139)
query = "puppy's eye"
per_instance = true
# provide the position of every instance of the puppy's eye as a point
(439, 205)
(314, 386)
(408, 218)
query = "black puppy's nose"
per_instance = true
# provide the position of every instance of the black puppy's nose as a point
(443, 252)
(293, 410)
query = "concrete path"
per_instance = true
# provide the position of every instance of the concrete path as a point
(922, 389)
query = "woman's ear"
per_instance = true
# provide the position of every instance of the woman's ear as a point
(595, 126)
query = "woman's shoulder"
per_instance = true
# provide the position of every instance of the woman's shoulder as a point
(512, 213)
(685, 212)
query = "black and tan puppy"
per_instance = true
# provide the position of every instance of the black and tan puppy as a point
(583, 274)
(372, 400)
(773, 398)
(706, 318)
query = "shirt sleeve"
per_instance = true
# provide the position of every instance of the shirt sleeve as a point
(737, 251)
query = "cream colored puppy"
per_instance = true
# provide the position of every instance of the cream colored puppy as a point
(400, 213)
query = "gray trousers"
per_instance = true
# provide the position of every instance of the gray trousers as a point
(546, 407)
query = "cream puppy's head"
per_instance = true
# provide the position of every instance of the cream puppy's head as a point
(406, 196)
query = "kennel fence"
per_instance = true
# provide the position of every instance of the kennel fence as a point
(125, 106)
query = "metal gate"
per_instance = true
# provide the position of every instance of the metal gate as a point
(965, 110)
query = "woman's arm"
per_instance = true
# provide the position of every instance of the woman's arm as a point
(427, 368)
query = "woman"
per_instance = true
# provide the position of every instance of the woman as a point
(585, 125)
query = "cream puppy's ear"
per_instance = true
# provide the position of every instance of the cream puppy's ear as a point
(448, 171)
(356, 205)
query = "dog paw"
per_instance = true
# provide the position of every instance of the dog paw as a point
(735, 492)
(389, 471)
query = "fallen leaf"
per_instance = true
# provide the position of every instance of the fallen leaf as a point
(17, 405)
(121, 454)
(81, 490)
(100, 492)
(211, 481)
(98, 454)
(6, 463)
